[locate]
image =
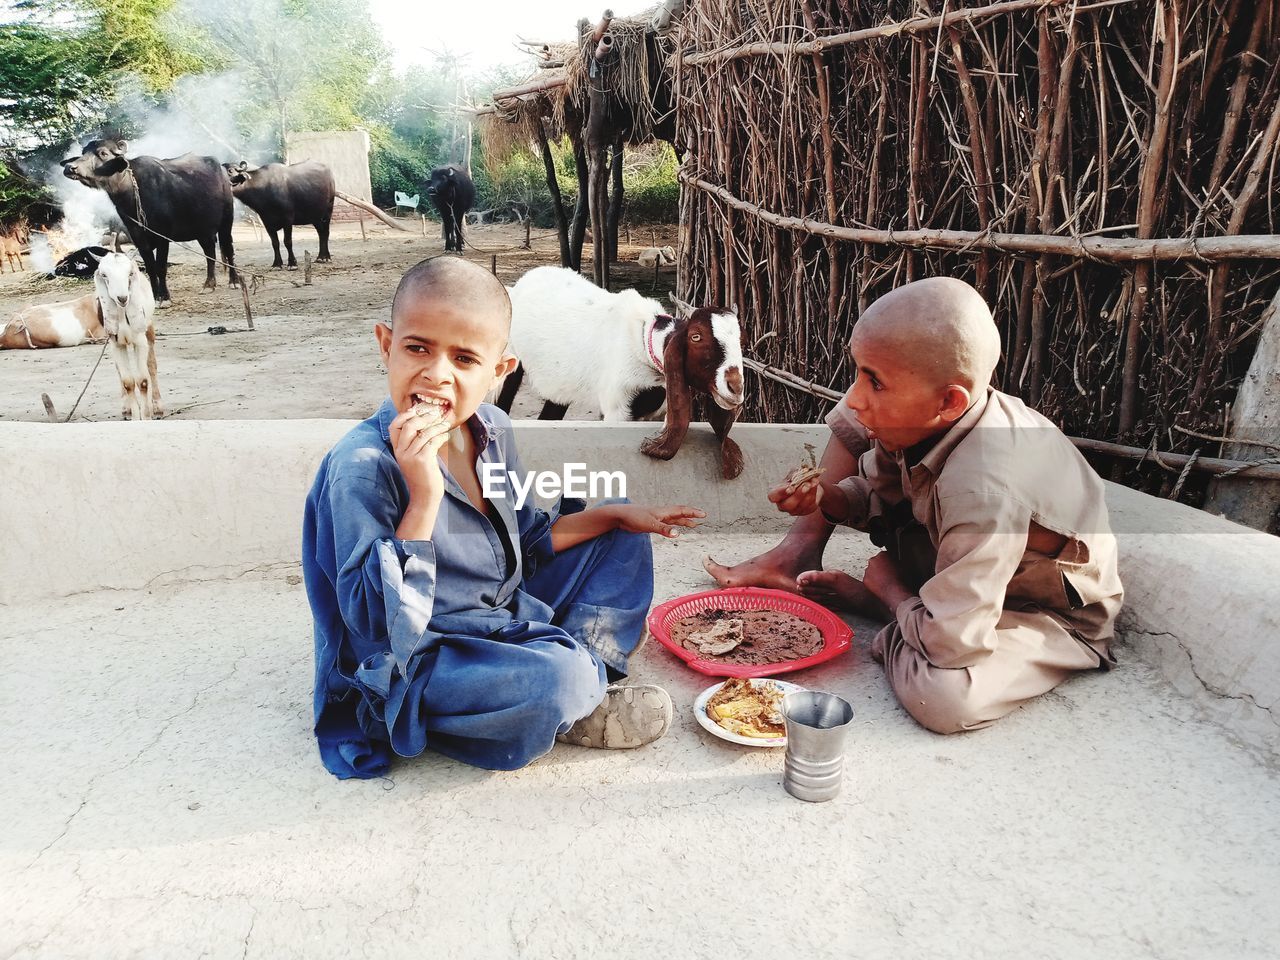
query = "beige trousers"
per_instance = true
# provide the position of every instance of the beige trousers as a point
(1034, 653)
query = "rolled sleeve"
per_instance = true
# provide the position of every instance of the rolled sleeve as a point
(408, 570)
(385, 586)
(982, 539)
(872, 490)
(857, 493)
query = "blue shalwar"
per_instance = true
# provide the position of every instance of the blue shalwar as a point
(481, 643)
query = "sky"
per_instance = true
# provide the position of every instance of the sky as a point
(484, 30)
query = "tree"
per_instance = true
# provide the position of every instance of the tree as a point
(305, 63)
(61, 62)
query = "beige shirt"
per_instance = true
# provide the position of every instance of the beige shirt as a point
(1002, 481)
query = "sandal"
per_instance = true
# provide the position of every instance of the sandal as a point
(629, 716)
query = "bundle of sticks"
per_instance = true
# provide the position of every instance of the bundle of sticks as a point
(991, 142)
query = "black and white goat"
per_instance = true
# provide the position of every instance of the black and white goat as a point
(127, 305)
(622, 353)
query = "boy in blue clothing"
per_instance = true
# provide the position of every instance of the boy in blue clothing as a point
(447, 620)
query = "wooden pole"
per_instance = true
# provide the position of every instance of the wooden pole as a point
(1249, 498)
(370, 209)
(48, 408)
(553, 184)
(244, 295)
(363, 236)
(913, 25)
(1263, 246)
(306, 268)
(493, 264)
(538, 86)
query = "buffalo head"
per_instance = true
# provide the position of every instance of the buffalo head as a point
(441, 179)
(239, 173)
(100, 160)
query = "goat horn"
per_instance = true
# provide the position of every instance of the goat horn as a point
(683, 307)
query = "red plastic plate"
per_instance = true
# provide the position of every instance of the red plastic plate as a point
(837, 636)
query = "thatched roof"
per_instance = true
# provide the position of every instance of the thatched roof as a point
(561, 100)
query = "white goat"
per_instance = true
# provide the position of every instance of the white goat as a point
(656, 256)
(622, 354)
(580, 344)
(127, 305)
(63, 324)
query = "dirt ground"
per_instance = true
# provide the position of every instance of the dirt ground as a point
(312, 352)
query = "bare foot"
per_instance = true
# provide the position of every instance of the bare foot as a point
(776, 569)
(837, 590)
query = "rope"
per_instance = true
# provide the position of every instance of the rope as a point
(1182, 477)
(1247, 466)
(256, 277)
(105, 344)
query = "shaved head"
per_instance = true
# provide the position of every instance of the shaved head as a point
(464, 285)
(943, 328)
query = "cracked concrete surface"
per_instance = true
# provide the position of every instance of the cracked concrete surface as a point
(166, 799)
(170, 803)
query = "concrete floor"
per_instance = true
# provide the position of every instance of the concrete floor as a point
(165, 799)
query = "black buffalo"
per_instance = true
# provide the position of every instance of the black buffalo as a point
(453, 194)
(182, 199)
(287, 196)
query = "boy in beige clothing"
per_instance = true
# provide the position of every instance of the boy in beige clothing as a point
(999, 576)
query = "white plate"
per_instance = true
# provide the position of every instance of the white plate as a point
(700, 711)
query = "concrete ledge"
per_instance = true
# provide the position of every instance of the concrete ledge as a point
(120, 506)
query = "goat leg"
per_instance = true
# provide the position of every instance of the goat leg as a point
(730, 452)
(157, 410)
(665, 445)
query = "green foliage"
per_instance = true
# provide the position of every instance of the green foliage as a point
(516, 189)
(397, 165)
(136, 32)
(61, 62)
(304, 64)
(651, 193)
(650, 190)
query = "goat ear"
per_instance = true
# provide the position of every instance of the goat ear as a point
(679, 400)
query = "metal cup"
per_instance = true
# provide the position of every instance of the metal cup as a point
(816, 727)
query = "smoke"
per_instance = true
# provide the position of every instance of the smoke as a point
(223, 115)
(197, 117)
(86, 215)
(40, 252)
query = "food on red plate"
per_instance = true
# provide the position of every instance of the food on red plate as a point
(767, 636)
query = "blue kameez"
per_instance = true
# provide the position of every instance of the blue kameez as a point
(482, 643)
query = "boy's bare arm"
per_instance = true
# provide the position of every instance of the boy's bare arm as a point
(575, 528)
(814, 494)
